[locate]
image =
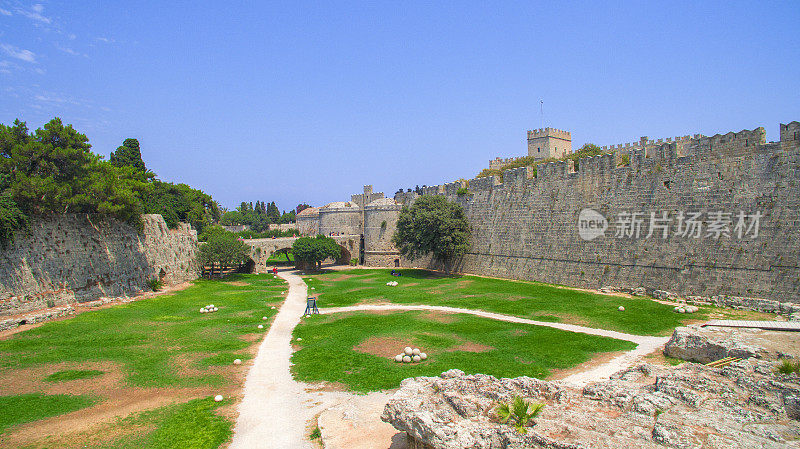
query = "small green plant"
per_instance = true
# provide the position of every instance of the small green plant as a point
(788, 367)
(353, 261)
(624, 160)
(519, 413)
(383, 224)
(315, 433)
(463, 191)
(155, 284)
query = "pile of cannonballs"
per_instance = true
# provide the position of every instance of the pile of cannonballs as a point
(392, 283)
(209, 308)
(410, 355)
(685, 309)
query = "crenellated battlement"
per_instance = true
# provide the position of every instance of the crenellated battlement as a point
(549, 132)
(646, 154)
(790, 132)
(645, 143)
(499, 162)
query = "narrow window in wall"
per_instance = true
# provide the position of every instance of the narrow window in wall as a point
(539, 150)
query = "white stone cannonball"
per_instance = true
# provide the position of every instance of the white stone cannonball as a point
(273, 307)
(408, 350)
(621, 309)
(215, 309)
(202, 310)
(406, 359)
(218, 398)
(261, 326)
(212, 306)
(299, 338)
(308, 316)
(423, 356)
(237, 362)
(416, 358)
(398, 358)
(675, 309)
(415, 351)
(681, 310)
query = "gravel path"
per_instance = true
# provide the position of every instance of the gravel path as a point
(276, 409)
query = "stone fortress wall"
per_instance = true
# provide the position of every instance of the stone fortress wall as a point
(526, 224)
(79, 258)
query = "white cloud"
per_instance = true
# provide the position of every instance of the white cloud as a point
(5, 12)
(105, 40)
(70, 51)
(35, 14)
(39, 71)
(19, 53)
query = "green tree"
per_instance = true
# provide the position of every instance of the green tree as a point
(300, 207)
(11, 219)
(128, 155)
(315, 250)
(45, 169)
(232, 217)
(434, 225)
(53, 171)
(273, 213)
(223, 250)
(179, 202)
(288, 217)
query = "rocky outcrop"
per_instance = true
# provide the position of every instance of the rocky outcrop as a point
(688, 343)
(743, 405)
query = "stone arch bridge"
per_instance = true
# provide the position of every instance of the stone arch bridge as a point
(262, 249)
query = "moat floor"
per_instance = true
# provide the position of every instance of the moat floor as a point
(278, 412)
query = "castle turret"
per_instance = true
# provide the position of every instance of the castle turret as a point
(308, 221)
(340, 218)
(549, 142)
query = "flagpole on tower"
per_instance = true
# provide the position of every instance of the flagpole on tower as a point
(541, 112)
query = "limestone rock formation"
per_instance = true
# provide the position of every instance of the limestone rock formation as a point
(743, 405)
(687, 343)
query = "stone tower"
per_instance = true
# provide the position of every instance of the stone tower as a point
(549, 142)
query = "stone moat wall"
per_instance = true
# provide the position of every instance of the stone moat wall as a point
(526, 225)
(79, 258)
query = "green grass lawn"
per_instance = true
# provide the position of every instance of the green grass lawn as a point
(19, 409)
(162, 341)
(510, 350)
(148, 336)
(281, 258)
(524, 299)
(73, 374)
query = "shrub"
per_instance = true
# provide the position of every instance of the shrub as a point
(788, 367)
(463, 191)
(353, 261)
(155, 284)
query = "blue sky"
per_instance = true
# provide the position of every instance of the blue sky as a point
(308, 101)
